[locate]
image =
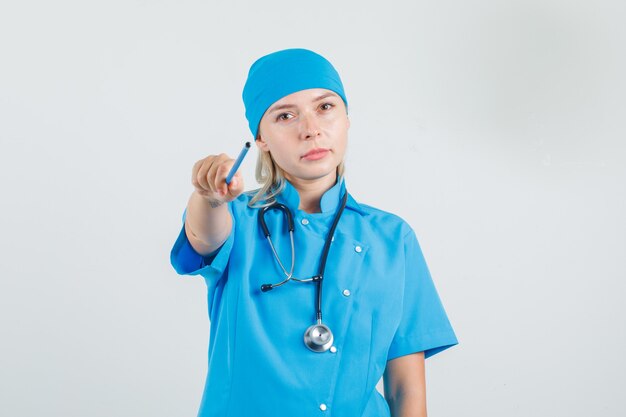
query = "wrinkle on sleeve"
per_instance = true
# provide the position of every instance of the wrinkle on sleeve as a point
(424, 325)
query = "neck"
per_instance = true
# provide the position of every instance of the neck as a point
(311, 191)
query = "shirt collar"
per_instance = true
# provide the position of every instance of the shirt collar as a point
(330, 199)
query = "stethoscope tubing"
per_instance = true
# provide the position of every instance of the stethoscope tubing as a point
(329, 240)
(318, 279)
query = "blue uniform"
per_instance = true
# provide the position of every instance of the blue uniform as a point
(378, 299)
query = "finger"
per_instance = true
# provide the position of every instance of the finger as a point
(217, 176)
(236, 185)
(203, 176)
(194, 173)
(220, 176)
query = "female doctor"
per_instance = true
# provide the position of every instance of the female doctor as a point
(305, 323)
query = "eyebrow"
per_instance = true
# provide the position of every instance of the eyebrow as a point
(288, 106)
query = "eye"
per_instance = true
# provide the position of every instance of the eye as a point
(327, 106)
(283, 116)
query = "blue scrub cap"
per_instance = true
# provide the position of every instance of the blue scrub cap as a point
(281, 73)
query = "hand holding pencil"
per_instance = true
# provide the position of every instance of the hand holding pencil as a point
(216, 178)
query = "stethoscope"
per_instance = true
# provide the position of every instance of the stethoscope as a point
(318, 336)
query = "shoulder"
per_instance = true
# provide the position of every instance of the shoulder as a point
(243, 200)
(240, 208)
(385, 223)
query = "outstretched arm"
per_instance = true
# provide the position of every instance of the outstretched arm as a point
(208, 222)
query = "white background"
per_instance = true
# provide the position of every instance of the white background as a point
(495, 128)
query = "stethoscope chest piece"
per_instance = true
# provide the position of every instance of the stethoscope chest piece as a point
(318, 338)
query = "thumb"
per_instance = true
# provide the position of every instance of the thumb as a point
(236, 185)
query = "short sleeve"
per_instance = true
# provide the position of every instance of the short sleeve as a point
(186, 261)
(424, 325)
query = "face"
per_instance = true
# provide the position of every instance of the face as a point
(306, 133)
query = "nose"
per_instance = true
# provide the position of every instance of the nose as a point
(310, 126)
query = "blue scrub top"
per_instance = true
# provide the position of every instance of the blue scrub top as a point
(378, 299)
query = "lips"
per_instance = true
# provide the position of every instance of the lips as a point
(315, 153)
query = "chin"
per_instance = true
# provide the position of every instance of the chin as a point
(310, 175)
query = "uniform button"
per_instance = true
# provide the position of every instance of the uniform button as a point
(333, 349)
(305, 221)
(346, 293)
(358, 249)
(323, 407)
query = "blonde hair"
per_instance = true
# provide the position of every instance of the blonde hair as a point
(272, 180)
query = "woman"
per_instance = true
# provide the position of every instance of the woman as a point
(272, 353)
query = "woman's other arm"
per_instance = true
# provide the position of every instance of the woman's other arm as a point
(405, 386)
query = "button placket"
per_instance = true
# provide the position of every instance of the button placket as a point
(348, 262)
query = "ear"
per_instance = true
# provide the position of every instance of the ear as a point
(261, 144)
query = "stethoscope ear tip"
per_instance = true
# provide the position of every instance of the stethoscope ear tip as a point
(266, 287)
